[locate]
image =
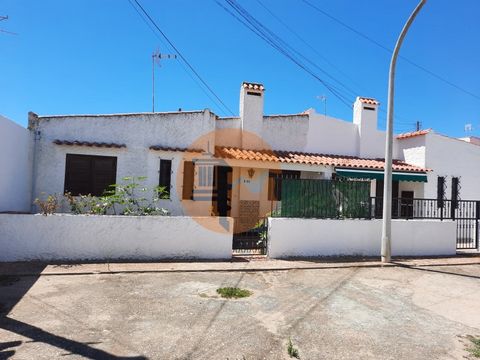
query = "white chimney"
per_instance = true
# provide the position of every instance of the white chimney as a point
(365, 116)
(251, 115)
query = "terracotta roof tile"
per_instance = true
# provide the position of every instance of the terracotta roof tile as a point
(88, 143)
(369, 101)
(413, 134)
(310, 158)
(168, 148)
(253, 86)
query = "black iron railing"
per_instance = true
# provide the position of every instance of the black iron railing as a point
(345, 203)
(413, 208)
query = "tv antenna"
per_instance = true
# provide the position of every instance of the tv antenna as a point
(2, 18)
(418, 125)
(468, 129)
(156, 58)
(323, 98)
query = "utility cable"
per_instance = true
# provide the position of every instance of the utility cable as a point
(179, 53)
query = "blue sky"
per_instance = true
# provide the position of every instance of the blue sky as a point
(94, 56)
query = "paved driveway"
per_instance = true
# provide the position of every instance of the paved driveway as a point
(338, 313)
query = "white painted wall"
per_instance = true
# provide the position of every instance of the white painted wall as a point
(323, 237)
(452, 157)
(251, 115)
(83, 237)
(15, 167)
(445, 156)
(412, 150)
(137, 131)
(328, 135)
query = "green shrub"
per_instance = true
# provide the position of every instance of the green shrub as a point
(126, 198)
(233, 292)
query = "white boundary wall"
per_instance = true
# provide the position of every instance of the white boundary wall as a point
(89, 237)
(315, 237)
(15, 167)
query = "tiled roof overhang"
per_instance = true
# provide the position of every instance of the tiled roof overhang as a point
(368, 101)
(293, 157)
(413, 134)
(168, 148)
(89, 144)
(253, 86)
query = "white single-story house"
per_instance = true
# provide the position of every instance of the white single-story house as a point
(235, 166)
(228, 166)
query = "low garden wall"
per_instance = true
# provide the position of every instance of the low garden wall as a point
(91, 237)
(292, 237)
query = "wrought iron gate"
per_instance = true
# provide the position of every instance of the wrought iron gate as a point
(465, 213)
(250, 238)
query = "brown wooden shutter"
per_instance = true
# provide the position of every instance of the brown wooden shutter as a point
(77, 174)
(88, 174)
(104, 174)
(271, 186)
(188, 177)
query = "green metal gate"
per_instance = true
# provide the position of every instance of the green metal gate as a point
(336, 199)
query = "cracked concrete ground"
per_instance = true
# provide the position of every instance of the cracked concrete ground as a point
(403, 312)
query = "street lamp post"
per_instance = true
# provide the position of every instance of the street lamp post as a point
(387, 179)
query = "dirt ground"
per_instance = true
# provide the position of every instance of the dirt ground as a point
(405, 312)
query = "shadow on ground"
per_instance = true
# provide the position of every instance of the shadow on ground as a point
(12, 289)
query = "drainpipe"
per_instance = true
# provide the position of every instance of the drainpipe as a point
(386, 250)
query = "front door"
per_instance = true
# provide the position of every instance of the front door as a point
(379, 198)
(406, 205)
(222, 190)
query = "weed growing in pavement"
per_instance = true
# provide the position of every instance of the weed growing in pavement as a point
(475, 348)
(292, 350)
(233, 292)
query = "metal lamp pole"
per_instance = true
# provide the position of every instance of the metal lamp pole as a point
(387, 179)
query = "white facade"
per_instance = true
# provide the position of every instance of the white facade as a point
(447, 157)
(136, 131)
(15, 167)
(306, 132)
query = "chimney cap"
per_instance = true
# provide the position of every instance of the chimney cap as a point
(369, 101)
(253, 86)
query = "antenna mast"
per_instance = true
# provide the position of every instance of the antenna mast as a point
(323, 98)
(156, 57)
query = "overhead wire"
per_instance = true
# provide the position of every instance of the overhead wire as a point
(298, 36)
(184, 68)
(183, 58)
(378, 44)
(306, 43)
(250, 22)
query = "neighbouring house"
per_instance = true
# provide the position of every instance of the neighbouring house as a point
(15, 167)
(230, 166)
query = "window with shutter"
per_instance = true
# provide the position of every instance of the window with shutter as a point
(188, 178)
(440, 191)
(165, 177)
(88, 174)
(455, 191)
